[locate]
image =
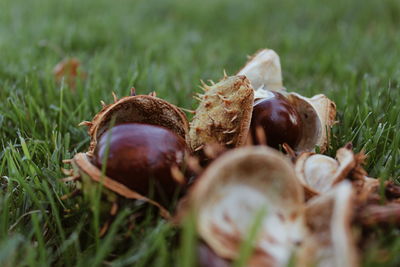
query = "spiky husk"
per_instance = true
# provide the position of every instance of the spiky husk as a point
(142, 109)
(224, 113)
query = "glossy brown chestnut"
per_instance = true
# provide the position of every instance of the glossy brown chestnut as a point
(279, 120)
(140, 156)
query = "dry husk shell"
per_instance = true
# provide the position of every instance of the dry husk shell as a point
(239, 186)
(318, 116)
(331, 241)
(88, 172)
(141, 109)
(263, 69)
(223, 115)
(319, 173)
(69, 70)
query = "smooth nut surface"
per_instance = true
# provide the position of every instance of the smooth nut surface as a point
(141, 155)
(279, 120)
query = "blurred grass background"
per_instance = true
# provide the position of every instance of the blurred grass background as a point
(348, 50)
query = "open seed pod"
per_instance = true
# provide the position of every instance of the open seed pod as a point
(147, 145)
(319, 173)
(246, 187)
(263, 69)
(331, 241)
(223, 115)
(147, 109)
(302, 122)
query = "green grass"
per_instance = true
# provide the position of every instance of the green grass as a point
(348, 50)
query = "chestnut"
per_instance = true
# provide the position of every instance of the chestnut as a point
(279, 120)
(140, 156)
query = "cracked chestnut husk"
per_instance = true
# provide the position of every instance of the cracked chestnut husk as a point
(237, 107)
(319, 173)
(241, 185)
(302, 123)
(223, 115)
(147, 109)
(373, 205)
(257, 186)
(146, 151)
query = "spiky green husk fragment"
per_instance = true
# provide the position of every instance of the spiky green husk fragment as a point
(223, 115)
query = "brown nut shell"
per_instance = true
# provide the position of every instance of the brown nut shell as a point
(139, 108)
(85, 169)
(236, 188)
(223, 115)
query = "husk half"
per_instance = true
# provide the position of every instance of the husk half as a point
(319, 173)
(141, 109)
(318, 116)
(223, 115)
(239, 186)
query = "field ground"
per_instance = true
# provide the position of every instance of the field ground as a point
(348, 50)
